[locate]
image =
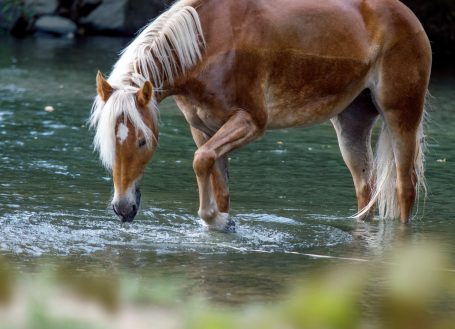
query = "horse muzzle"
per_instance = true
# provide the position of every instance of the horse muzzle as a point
(126, 209)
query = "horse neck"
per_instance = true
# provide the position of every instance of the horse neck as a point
(164, 51)
(170, 47)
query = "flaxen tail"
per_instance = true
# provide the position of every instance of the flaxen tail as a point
(384, 176)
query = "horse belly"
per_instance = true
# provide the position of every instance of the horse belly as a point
(295, 112)
(305, 91)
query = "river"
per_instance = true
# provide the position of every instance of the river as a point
(291, 194)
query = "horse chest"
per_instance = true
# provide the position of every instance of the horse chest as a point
(207, 116)
(200, 116)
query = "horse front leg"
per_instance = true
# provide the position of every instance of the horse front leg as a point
(219, 176)
(239, 130)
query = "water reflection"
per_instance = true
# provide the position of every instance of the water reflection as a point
(377, 236)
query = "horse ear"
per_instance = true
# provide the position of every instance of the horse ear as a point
(145, 94)
(103, 87)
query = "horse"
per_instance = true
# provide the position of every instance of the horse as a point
(238, 68)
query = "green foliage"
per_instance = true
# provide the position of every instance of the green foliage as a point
(416, 292)
(40, 319)
(11, 10)
(156, 291)
(326, 301)
(202, 317)
(6, 282)
(97, 285)
(7, 5)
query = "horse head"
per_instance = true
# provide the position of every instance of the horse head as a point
(126, 130)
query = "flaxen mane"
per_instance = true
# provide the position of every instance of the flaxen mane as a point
(164, 50)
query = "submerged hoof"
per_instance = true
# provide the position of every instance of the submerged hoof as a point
(222, 223)
(230, 227)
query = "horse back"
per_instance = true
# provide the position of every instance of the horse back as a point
(295, 62)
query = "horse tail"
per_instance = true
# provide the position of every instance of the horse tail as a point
(384, 176)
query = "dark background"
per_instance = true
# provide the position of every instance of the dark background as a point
(18, 17)
(438, 19)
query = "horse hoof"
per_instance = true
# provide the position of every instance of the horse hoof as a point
(222, 223)
(230, 227)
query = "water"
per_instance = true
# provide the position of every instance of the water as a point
(291, 194)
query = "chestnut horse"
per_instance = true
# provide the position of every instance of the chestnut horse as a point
(237, 68)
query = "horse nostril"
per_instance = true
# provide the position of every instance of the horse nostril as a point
(134, 209)
(115, 210)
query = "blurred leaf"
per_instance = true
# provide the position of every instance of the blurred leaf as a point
(97, 285)
(327, 301)
(203, 317)
(414, 290)
(6, 281)
(153, 290)
(40, 319)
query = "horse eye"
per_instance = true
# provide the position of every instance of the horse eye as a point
(142, 142)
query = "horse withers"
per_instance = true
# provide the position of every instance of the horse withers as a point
(237, 68)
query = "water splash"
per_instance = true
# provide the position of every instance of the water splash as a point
(158, 230)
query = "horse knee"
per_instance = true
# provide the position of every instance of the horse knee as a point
(203, 161)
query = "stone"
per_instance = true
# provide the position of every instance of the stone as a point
(110, 15)
(56, 25)
(41, 7)
(123, 16)
(90, 2)
(141, 12)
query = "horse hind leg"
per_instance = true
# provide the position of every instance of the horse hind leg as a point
(353, 127)
(399, 92)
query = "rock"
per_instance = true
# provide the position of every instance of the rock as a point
(41, 7)
(124, 16)
(109, 15)
(90, 2)
(85, 7)
(141, 12)
(55, 25)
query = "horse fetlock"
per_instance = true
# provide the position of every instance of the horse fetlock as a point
(207, 214)
(363, 192)
(217, 221)
(221, 222)
(367, 216)
(203, 161)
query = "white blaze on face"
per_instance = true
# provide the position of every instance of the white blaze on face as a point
(129, 195)
(122, 132)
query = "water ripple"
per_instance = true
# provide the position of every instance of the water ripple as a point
(64, 233)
